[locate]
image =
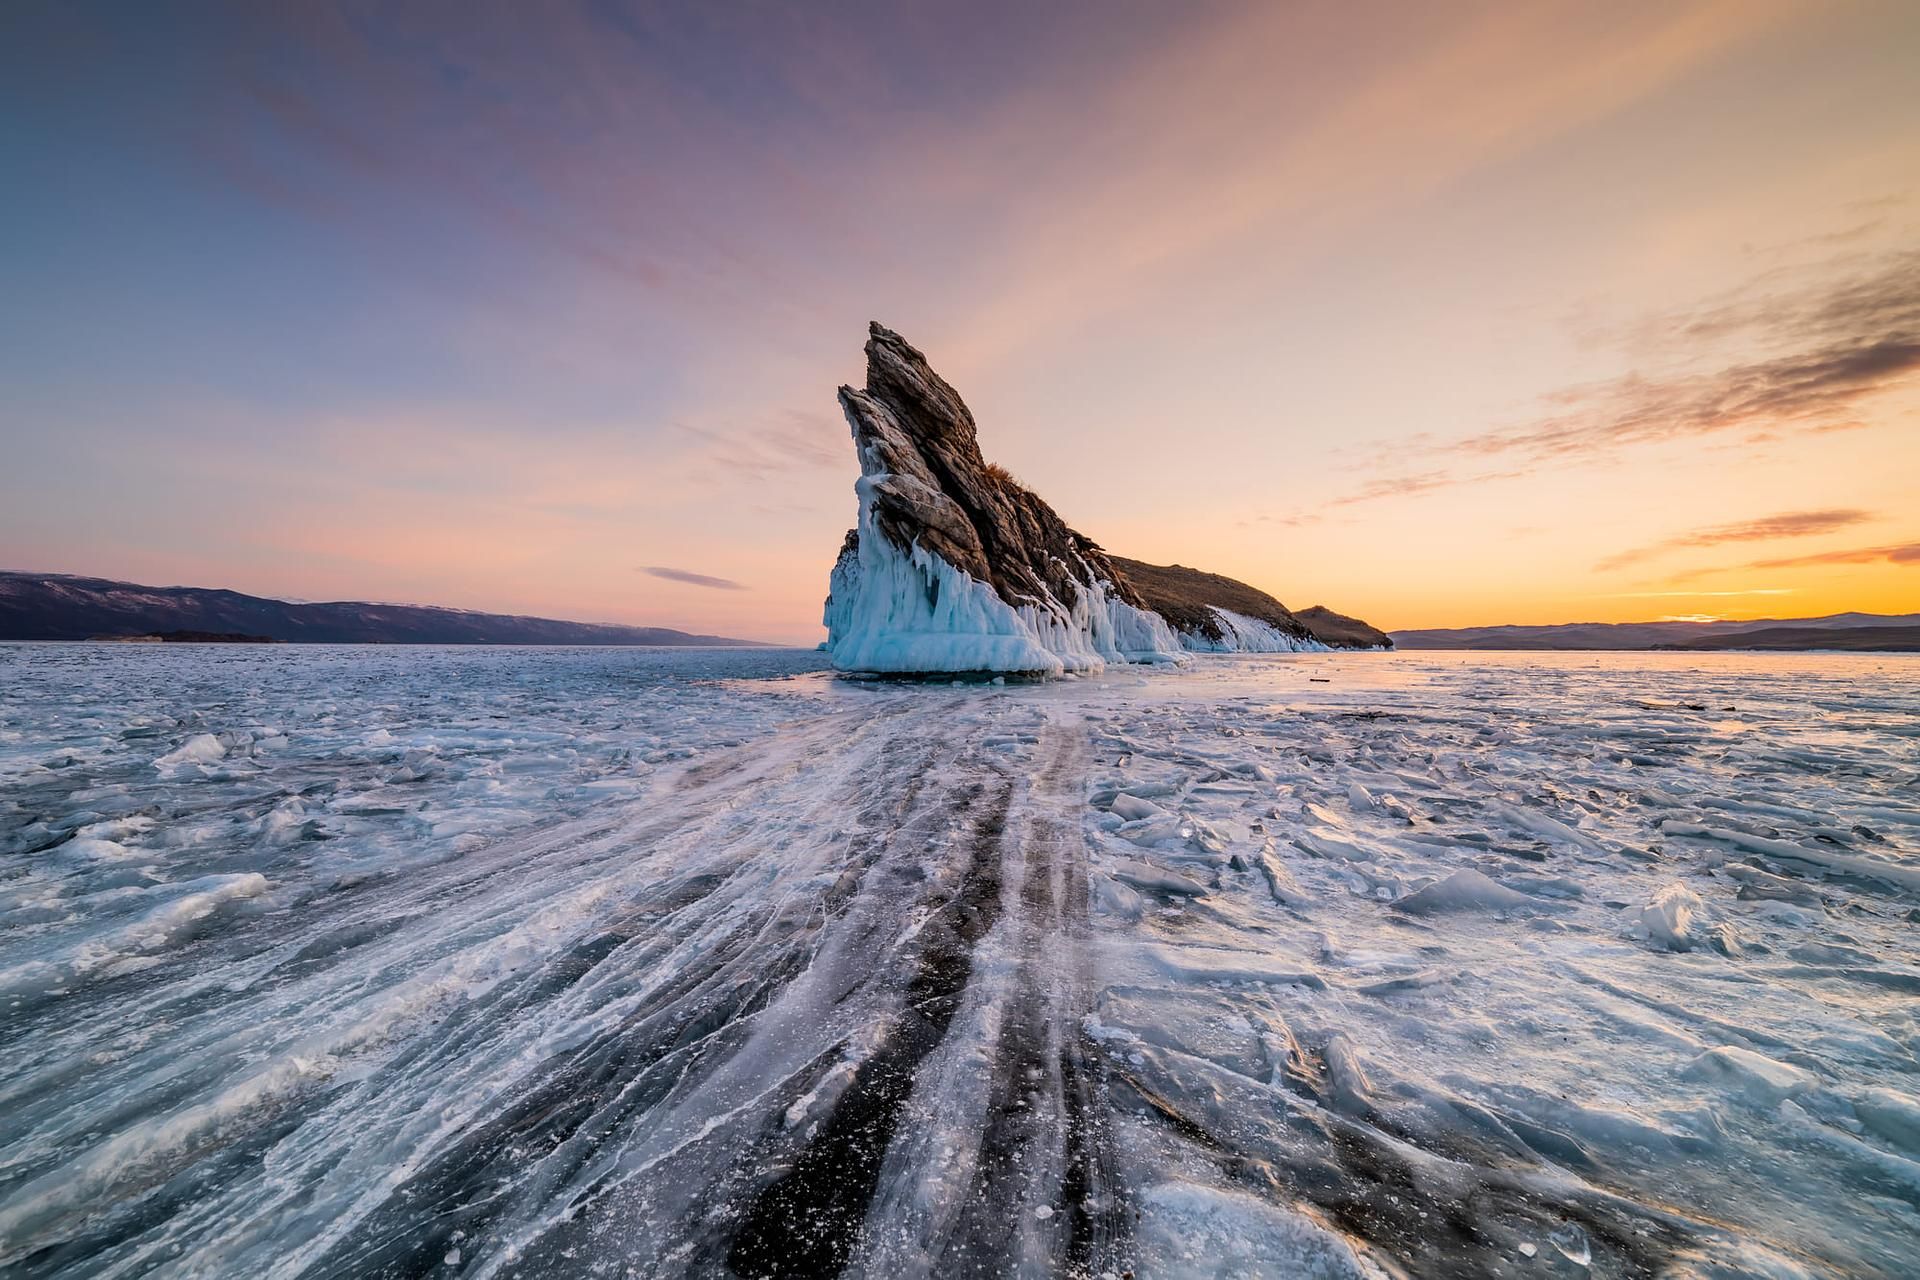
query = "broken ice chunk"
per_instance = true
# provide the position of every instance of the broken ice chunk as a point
(1464, 891)
(1666, 922)
(1752, 1075)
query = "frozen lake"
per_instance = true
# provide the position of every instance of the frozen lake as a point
(380, 961)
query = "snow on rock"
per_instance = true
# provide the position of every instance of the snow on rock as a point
(911, 612)
(1241, 634)
(1213, 613)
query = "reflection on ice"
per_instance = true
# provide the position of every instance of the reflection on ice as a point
(364, 962)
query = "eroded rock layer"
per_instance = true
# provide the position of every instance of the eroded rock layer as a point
(955, 567)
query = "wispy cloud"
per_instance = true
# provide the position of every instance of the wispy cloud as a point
(1900, 553)
(1815, 342)
(1827, 346)
(1806, 389)
(1906, 553)
(1294, 520)
(693, 579)
(792, 440)
(1408, 486)
(1789, 524)
(1694, 595)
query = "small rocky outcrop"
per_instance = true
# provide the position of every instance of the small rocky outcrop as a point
(1211, 611)
(956, 567)
(1338, 631)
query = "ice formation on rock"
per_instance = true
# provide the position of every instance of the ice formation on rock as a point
(955, 567)
(1241, 634)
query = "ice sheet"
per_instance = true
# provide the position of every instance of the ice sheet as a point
(564, 962)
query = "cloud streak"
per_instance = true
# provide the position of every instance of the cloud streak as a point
(1906, 553)
(1807, 389)
(1409, 486)
(693, 579)
(1695, 595)
(1899, 555)
(1789, 524)
(1817, 341)
(1828, 346)
(792, 440)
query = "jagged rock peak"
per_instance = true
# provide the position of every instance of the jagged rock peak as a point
(955, 566)
(917, 439)
(936, 517)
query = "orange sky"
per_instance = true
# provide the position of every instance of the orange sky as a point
(1439, 315)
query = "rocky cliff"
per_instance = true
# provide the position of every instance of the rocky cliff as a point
(956, 567)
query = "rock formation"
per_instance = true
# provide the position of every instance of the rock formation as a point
(955, 567)
(1338, 631)
(1218, 614)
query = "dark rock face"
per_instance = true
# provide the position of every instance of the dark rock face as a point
(957, 567)
(933, 486)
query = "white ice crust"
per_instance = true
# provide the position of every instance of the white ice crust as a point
(911, 612)
(1241, 634)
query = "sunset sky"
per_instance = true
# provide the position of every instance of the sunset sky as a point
(1437, 314)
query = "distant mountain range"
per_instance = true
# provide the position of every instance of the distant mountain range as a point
(53, 606)
(1857, 631)
(1892, 638)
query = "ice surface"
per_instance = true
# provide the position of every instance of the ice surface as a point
(602, 962)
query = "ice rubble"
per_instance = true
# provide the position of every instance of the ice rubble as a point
(1487, 915)
(561, 961)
